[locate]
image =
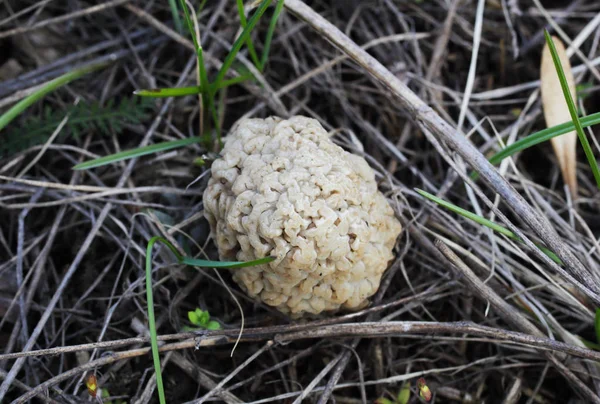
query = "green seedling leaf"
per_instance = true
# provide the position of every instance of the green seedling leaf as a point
(150, 299)
(193, 317)
(52, 85)
(573, 109)
(483, 221)
(213, 325)
(404, 394)
(141, 151)
(203, 317)
(383, 400)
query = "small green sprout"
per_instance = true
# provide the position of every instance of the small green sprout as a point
(201, 319)
(402, 397)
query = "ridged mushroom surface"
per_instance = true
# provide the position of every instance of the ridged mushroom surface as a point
(282, 188)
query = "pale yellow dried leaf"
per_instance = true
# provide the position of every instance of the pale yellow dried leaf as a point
(556, 111)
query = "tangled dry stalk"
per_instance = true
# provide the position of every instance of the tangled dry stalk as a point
(478, 315)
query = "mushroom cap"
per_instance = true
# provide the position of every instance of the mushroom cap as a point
(282, 188)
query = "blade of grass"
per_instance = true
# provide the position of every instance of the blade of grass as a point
(150, 296)
(151, 319)
(169, 92)
(141, 151)
(270, 32)
(224, 264)
(52, 85)
(237, 45)
(483, 221)
(540, 137)
(249, 44)
(184, 91)
(176, 19)
(543, 136)
(573, 109)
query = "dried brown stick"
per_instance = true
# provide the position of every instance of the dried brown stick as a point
(25, 387)
(428, 119)
(232, 374)
(510, 314)
(203, 380)
(363, 330)
(428, 295)
(440, 48)
(62, 18)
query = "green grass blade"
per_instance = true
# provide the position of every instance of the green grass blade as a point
(237, 45)
(573, 109)
(189, 24)
(270, 32)
(249, 44)
(483, 221)
(175, 12)
(543, 136)
(151, 319)
(198, 46)
(141, 151)
(58, 82)
(169, 92)
(184, 91)
(469, 215)
(224, 264)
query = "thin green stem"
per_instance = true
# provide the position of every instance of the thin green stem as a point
(151, 319)
(270, 32)
(249, 44)
(176, 18)
(484, 222)
(589, 154)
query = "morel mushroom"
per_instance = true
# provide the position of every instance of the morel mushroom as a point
(282, 188)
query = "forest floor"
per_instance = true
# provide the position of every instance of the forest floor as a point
(483, 318)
